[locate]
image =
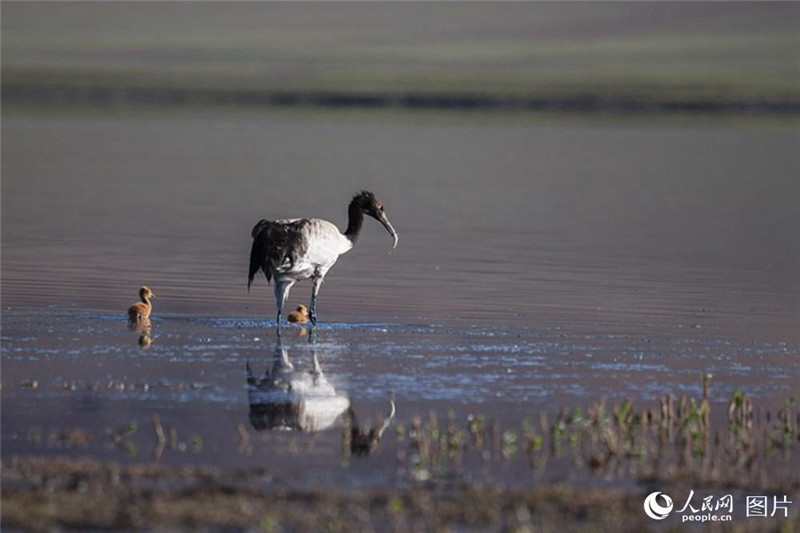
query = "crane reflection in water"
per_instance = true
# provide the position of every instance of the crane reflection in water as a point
(291, 398)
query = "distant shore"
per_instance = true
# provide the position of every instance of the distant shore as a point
(596, 58)
(586, 103)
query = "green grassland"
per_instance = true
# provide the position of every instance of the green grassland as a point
(666, 52)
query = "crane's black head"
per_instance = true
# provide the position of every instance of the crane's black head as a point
(371, 205)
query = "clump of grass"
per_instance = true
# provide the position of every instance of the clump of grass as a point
(673, 440)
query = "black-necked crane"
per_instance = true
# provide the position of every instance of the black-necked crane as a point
(290, 250)
(141, 310)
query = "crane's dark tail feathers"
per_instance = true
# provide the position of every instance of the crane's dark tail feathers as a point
(265, 237)
(272, 245)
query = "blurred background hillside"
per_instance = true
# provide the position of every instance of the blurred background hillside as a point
(583, 56)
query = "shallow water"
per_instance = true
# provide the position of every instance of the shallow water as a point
(624, 227)
(540, 266)
(66, 371)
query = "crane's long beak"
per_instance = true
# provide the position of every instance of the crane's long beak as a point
(386, 224)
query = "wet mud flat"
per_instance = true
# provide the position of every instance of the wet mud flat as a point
(56, 493)
(90, 495)
(80, 495)
(538, 429)
(613, 460)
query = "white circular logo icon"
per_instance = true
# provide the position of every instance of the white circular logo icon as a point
(654, 509)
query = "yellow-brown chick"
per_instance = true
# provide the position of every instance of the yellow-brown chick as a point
(299, 315)
(141, 310)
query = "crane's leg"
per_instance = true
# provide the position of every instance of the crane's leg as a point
(312, 312)
(282, 289)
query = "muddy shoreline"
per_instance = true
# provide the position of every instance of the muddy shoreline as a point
(41, 494)
(46, 494)
(580, 103)
(617, 455)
